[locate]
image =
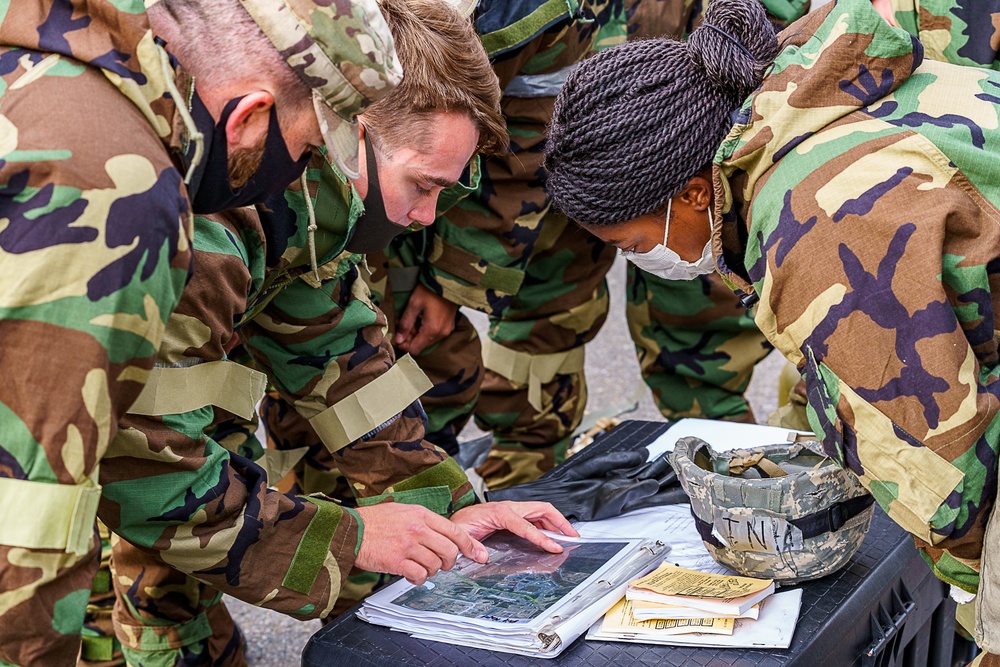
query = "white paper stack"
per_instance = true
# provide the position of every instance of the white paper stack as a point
(773, 629)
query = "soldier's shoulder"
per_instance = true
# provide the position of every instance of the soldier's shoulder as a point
(74, 127)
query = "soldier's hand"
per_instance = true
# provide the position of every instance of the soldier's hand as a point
(426, 319)
(412, 541)
(884, 8)
(523, 519)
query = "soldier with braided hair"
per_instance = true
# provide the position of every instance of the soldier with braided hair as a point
(503, 251)
(847, 183)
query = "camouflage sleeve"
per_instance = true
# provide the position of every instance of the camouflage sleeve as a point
(323, 342)
(892, 331)
(963, 33)
(94, 254)
(212, 512)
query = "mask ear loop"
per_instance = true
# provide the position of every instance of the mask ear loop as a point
(711, 232)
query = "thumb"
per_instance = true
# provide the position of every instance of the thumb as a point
(469, 546)
(655, 469)
(420, 341)
(407, 321)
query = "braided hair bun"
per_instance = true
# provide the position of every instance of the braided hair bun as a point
(733, 47)
(635, 123)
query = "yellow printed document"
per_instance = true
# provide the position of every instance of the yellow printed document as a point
(669, 579)
(719, 594)
(620, 620)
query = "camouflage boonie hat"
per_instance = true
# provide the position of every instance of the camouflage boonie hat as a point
(464, 7)
(786, 512)
(344, 52)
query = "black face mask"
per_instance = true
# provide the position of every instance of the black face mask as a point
(210, 190)
(373, 231)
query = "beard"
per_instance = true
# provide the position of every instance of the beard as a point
(243, 163)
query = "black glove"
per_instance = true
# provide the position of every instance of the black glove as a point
(602, 486)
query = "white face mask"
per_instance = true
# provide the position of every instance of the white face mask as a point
(663, 262)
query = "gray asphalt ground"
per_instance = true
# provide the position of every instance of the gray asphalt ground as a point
(612, 374)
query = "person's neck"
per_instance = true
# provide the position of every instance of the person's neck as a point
(165, 26)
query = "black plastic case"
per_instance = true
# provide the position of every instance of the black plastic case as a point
(883, 609)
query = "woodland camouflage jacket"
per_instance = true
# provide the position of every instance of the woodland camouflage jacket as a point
(857, 196)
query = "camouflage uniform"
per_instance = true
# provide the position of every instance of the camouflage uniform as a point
(95, 251)
(87, 285)
(877, 208)
(319, 342)
(524, 270)
(696, 343)
(288, 431)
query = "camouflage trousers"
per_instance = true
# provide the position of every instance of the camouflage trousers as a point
(535, 390)
(530, 368)
(696, 344)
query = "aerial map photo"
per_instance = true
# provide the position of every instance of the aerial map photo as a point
(518, 583)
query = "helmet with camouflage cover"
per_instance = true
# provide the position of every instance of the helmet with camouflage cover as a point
(344, 52)
(786, 512)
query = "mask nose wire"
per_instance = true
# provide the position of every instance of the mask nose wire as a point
(192, 130)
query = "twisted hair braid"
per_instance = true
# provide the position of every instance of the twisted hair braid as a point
(635, 123)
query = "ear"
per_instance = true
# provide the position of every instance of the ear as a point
(697, 193)
(249, 120)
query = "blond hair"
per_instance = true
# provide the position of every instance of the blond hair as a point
(445, 68)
